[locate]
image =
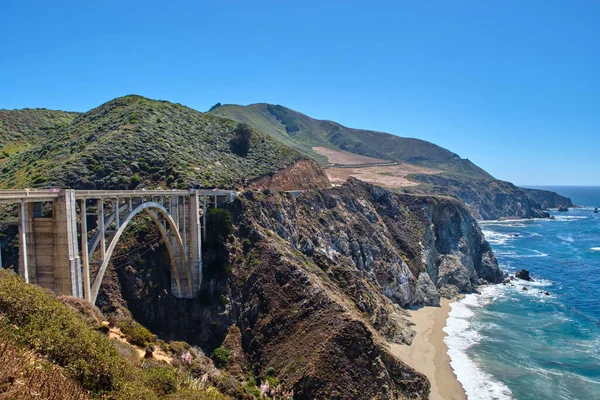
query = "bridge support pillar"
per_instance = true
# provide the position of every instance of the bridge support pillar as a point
(49, 253)
(194, 241)
(67, 275)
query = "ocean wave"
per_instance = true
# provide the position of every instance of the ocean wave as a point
(478, 384)
(497, 237)
(568, 218)
(567, 238)
(510, 221)
(595, 249)
(536, 253)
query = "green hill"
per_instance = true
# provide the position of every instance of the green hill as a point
(20, 129)
(133, 141)
(303, 133)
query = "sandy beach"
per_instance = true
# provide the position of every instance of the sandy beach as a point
(428, 352)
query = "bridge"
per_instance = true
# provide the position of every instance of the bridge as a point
(67, 237)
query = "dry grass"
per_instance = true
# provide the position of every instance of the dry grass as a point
(342, 157)
(25, 376)
(392, 176)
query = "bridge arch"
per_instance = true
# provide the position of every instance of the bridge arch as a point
(182, 271)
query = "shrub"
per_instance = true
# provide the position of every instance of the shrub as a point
(240, 143)
(136, 333)
(23, 376)
(134, 181)
(162, 379)
(219, 225)
(220, 356)
(52, 329)
(215, 106)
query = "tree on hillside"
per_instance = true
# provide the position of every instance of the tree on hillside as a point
(215, 106)
(240, 142)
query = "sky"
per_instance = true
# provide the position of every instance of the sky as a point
(514, 86)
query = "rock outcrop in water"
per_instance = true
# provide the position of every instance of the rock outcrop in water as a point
(523, 274)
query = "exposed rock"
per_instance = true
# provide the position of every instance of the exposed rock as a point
(548, 199)
(524, 288)
(523, 274)
(487, 199)
(233, 343)
(303, 175)
(563, 209)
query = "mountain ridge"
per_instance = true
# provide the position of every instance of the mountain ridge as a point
(486, 196)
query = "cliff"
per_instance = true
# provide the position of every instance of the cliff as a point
(486, 199)
(548, 199)
(315, 283)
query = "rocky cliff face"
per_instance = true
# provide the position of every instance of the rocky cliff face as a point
(410, 246)
(548, 199)
(315, 283)
(490, 199)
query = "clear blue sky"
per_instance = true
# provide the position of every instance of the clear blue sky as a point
(512, 85)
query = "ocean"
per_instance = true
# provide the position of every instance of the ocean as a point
(510, 343)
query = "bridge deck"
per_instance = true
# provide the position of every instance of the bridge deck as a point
(40, 195)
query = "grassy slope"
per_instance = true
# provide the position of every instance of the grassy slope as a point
(20, 129)
(302, 132)
(165, 144)
(34, 324)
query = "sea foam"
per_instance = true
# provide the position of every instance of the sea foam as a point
(478, 384)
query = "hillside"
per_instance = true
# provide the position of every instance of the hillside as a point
(20, 129)
(402, 164)
(137, 142)
(303, 133)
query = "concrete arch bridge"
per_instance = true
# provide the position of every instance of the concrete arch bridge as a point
(53, 256)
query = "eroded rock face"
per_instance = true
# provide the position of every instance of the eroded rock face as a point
(303, 175)
(407, 246)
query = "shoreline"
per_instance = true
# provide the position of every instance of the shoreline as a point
(428, 353)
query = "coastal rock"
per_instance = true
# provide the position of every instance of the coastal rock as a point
(563, 208)
(523, 288)
(524, 274)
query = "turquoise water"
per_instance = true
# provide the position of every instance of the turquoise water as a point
(510, 343)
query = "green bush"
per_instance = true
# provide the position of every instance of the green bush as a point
(240, 143)
(162, 379)
(134, 181)
(220, 356)
(136, 333)
(219, 224)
